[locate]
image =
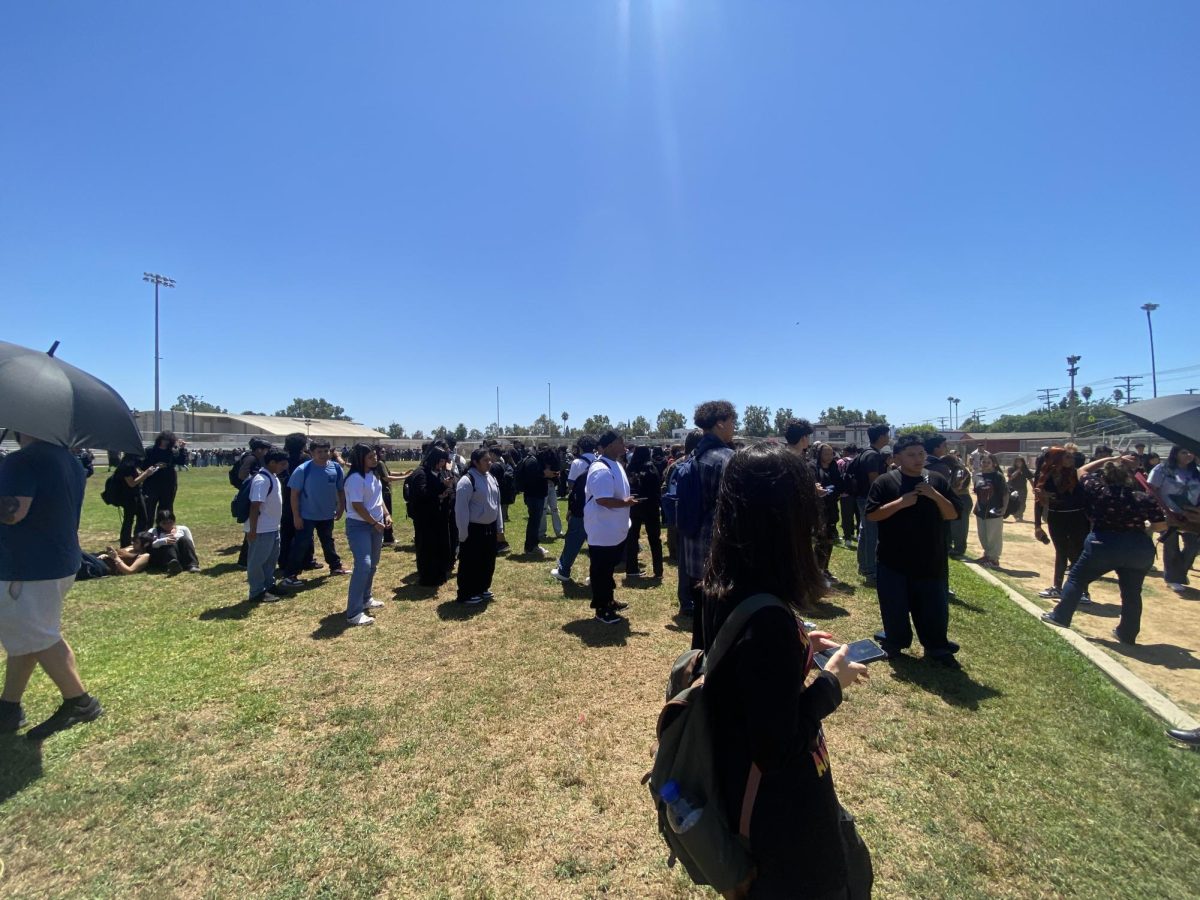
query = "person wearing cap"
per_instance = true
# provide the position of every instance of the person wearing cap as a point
(607, 500)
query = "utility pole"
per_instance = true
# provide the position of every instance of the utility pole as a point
(1048, 395)
(1073, 370)
(942, 422)
(1191, 390)
(1129, 385)
(1149, 308)
(158, 281)
(976, 413)
(497, 411)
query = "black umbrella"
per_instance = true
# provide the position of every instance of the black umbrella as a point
(1177, 418)
(52, 400)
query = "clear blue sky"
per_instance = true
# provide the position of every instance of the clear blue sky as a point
(399, 206)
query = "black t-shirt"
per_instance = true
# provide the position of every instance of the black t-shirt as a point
(867, 462)
(911, 541)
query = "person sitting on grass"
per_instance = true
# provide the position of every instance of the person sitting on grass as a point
(173, 549)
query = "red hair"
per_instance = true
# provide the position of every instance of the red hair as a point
(1054, 466)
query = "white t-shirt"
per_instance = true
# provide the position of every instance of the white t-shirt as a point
(367, 491)
(605, 527)
(264, 489)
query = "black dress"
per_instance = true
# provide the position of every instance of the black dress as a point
(428, 513)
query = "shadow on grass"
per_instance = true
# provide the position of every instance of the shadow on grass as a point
(333, 625)
(1099, 610)
(641, 582)
(1017, 573)
(220, 569)
(230, 551)
(956, 600)
(823, 609)
(597, 634)
(680, 624)
(22, 764)
(453, 611)
(240, 610)
(956, 687)
(574, 591)
(411, 589)
(1168, 656)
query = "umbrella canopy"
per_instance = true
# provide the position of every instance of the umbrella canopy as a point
(52, 400)
(1177, 418)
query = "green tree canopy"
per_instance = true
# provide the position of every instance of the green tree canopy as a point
(639, 426)
(668, 420)
(460, 432)
(313, 408)
(193, 404)
(474, 435)
(783, 415)
(756, 421)
(597, 424)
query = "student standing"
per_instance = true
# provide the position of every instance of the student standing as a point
(867, 468)
(262, 528)
(317, 499)
(1059, 497)
(427, 493)
(909, 504)
(606, 521)
(478, 520)
(161, 487)
(646, 485)
(366, 521)
(1176, 483)
(1019, 481)
(991, 501)
(134, 519)
(576, 484)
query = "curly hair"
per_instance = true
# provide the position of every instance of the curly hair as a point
(709, 413)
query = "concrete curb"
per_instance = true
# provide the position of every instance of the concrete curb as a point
(1148, 696)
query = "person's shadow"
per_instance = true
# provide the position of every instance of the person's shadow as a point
(453, 611)
(21, 766)
(574, 591)
(333, 625)
(219, 569)
(596, 634)
(411, 589)
(236, 611)
(1168, 656)
(954, 686)
(823, 609)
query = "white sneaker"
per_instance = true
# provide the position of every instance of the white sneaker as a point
(361, 619)
(1177, 587)
(373, 604)
(559, 576)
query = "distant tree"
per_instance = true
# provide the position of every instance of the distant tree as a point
(493, 430)
(622, 427)
(474, 435)
(783, 415)
(418, 435)
(440, 432)
(1118, 395)
(924, 430)
(394, 430)
(597, 424)
(314, 408)
(1086, 393)
(873, 418)
(639, 426)
(460, 433)
(839, 415)
(543, 425)
(565, 416)
(668, 420)
(756, 422)
(193, 404)
(250, 412)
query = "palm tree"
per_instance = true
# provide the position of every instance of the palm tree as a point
(1086, 393)
(565, 416)
(1118, 395)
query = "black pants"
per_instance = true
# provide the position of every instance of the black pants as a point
(302, 549)
(536, 507)
(1178, 562)
(389, 534)
(849, 517)
(476, 560)
(651, 518)
(1068, 530)
(433, 546)
(182, 550)
(133, 519)
(603, 562)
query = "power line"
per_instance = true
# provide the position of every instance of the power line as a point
(1129, 385)
(1050, 394)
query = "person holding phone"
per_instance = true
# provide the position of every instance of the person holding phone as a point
(607, 500)
(646, 484)
(768, 712)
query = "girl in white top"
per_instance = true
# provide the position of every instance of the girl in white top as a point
(366, 521)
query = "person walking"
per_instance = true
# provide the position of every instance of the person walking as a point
(1176, 484)
(910, 503)
(1060, 499)
(991, 500)
(262, 528)
(646, 484)
(41, 495)
(1019, 480)
(366, 521)
(770, 754)
(1119, 510)
(477, 517)
(606, 521)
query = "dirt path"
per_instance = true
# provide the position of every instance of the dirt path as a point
(1167, 654)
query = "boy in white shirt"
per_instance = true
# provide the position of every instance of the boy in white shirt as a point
(606, 522)
(262, 528)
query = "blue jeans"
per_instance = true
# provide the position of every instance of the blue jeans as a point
(1131, 554)
(262, 554)
(926, 600)
(868, 536)
(366, 543)
(572, 544)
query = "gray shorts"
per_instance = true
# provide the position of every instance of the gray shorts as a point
(31, 614)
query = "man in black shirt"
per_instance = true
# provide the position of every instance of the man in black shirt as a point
(910, 505)
(869, 465)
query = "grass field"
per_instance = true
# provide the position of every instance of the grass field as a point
(497, 752)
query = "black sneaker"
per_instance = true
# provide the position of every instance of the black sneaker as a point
(12, 717)
(619, 606)
(488, 595)
(71, 713)
(688, 610)
(609, 617)
(174, 567)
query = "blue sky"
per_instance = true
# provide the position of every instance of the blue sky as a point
(400, 206)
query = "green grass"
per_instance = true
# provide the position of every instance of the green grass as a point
(496, 752)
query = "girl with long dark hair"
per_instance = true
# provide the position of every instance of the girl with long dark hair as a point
(428, 495)
(366, 521)
(1019, 481)
(768, 720)
(645, 482)
(1176, 483)
(1059, 497)
(829, 480)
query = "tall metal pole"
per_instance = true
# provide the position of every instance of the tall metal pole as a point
(1149, 308)
(497, 410)
(950, 400)
(1072, 370)
(157, 280)
(549, 417)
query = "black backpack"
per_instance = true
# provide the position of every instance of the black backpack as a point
(577, 498)
(237, 467)
(239, 506)
(508, 485)
(116, 491)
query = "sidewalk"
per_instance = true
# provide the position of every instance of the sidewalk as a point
(1167, 654)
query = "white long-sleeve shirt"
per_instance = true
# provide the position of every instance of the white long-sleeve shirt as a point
(477, 502)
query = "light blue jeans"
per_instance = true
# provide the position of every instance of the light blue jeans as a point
(366, 543)
(572, 544)
(262, 554)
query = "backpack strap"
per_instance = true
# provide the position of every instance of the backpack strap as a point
(731, 629)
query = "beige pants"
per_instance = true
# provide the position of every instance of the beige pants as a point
(991, 536)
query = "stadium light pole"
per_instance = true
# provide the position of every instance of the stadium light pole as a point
(158, 281)
(549, 417)
(1073, 370)
(1149, 308)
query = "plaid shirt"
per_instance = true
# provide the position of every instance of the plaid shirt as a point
(713, 455)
